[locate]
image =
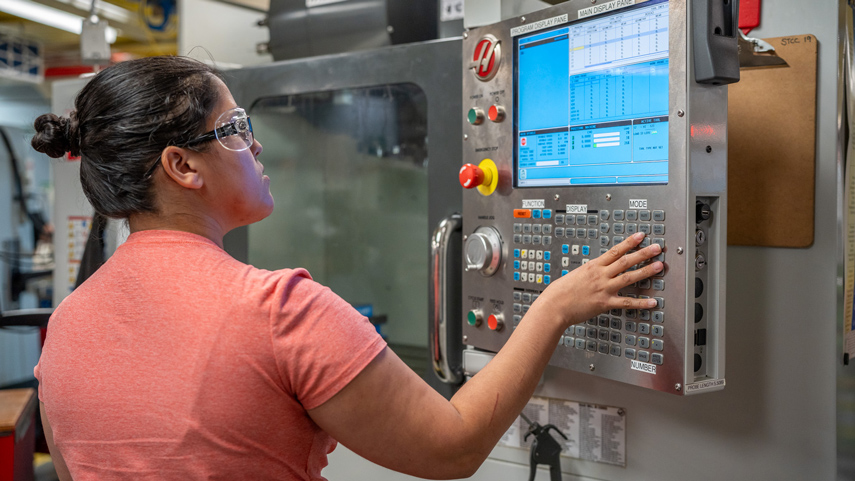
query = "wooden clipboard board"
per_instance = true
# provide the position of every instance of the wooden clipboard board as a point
(772, 149)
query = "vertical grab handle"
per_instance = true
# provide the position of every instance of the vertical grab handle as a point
(439, 305)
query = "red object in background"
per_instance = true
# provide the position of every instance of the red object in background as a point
(749, 15)
(17, 434)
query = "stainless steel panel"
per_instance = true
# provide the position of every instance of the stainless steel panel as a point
(692, 172)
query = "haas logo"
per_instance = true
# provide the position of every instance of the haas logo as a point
(486, 58)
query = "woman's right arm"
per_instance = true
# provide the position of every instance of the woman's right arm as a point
(390, 416)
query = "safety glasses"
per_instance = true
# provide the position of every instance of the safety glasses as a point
(233, 130)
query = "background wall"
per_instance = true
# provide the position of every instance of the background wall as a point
(227, 33)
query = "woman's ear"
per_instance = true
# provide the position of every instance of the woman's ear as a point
(181, 166)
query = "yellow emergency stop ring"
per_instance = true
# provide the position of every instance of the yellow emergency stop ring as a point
(491, 177)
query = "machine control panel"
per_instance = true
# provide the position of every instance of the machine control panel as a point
(583, 126)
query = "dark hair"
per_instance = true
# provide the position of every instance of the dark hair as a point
(124, 118)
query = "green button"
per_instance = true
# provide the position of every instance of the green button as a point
(474, 117)
(472, 318)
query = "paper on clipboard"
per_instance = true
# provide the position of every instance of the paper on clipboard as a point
(849, 218)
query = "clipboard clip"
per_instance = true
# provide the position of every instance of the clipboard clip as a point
(757, 53)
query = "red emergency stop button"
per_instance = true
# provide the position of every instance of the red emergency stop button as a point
(495, 322)
(472, 176)
(496, 113)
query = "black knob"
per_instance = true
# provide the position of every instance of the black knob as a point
(699, 287)
(699, 312)
(703, 211)
(698, 362)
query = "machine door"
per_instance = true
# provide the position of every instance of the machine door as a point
(363, 165)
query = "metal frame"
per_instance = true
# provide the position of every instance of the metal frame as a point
(434, 67)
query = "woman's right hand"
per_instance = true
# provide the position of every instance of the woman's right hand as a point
(592, 288)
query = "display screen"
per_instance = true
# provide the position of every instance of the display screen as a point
(592, 101)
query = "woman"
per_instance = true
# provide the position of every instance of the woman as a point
(175, 361)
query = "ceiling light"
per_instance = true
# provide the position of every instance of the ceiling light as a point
(49, 16)
(103, 9)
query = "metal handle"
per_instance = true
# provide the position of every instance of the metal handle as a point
(439, 248)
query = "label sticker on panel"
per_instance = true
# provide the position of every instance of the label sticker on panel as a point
(534, 204)
(638, 203)
(606, 7)
(577, 208)
(644, 367)
(549, 22)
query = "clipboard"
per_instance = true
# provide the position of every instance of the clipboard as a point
(772, 149)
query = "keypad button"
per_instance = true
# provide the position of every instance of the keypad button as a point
(570, 233)
(516, 276)
(591, 333)
(631, 229)
(535, 214)
(632, 215)
(629, 353)
(657, 358)
(536, 229)
(604, 241)
(547, 213)
(526, 297)
(527, 239)
(565, 249)
(659, 215)
(644, 215)
(524, 253)
(581, 233)
(614, 336)
(527, 228)
(604, 215)
(517, 238)
(547, 240)
(518, 308)
(591, 322)
(586, 250)
(643, 356)
(618, 215)
(617, 239)
(536, 240)
(581, 220)
(574, 250)
(516, 253)
(615, 350)
(644, 243)
(658, 344)
(592, 233)
(592, 220)
(604, 228)
(580, 343)
(517, 228)
(660, 241)
(517, 296)
(603, 321)
(547, 267)
(565, 262)
(658, 331)
(630, 340)
(645, 228)
(644, 342)
(517, 320)
(660, 302)
(644, 328)
(559, 219)
(603, 348)
(569, 219)
(538, 255)
(630, 326)
(569, 341)
(516, 265)
(619, 228)
(547, 229)
(538, 267)
(658, 229)
(531, 265)
(603, 335)
(559, 232)
(644, 315)
(591, 345)
(658, 285)
(631, 313)
(644, 284)
(547, 255)
(615, 323)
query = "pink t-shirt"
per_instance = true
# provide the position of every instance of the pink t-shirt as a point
(174, 361)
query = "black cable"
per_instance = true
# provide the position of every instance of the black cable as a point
(36, 218)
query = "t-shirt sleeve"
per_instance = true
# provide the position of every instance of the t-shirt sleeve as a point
(320, 342)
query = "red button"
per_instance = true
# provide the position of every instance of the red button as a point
(522, 213)
(471, 176)
(496, 113)
(494, 323)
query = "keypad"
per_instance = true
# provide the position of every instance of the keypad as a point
(630, 333)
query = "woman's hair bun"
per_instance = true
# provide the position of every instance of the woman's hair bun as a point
(56, 135)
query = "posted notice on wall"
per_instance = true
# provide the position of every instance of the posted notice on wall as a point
(849, 218)
(594, 433)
